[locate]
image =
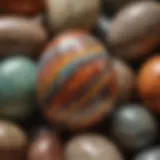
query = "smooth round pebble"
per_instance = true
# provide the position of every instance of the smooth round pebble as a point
(17, 88)
(13, 141)
(149, 83)
(91, 147)
(20, 36)
(135, 31)
(133, 127)
(46, 146)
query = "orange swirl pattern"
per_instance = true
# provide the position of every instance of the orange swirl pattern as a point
(76, 83)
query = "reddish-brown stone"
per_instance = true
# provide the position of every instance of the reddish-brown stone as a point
(149, 83)
(22, 7)
(46, 146)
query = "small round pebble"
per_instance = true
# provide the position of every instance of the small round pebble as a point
(150, 154)
(13, 141)
(135, 31)
(19, 35)
(149, 83)
(91, 147)
(133, 127)
(45, 146)
(17, 87)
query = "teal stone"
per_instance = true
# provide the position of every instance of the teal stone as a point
(17, 88)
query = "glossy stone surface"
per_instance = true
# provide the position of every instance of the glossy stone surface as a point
(71, 14)
(22, 7)
(135, 31)
(13, 141)
(17, 87)
(76, 84)
(150, 154)
(91, 147)
(126, 80)
(20, 36)
(149, 83)
(133, 127)
(45, 146)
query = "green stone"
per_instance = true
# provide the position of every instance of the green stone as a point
(17, 87)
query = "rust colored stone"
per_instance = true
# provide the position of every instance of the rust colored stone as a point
(149, 83)
(46, 146)
(22, 7)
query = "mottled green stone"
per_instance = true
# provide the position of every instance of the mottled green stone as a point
(17, 87)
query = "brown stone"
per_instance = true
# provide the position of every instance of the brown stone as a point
(135, 31)
(71, 14)
(22, 7)
(20, 36)
(13, 141)
(91, 147)
(46, 146)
